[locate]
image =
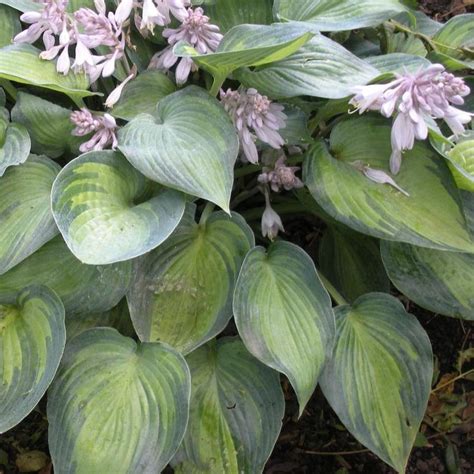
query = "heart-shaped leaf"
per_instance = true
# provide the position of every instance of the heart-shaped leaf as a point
(15, 147)
(321, 68)
(352, 263)
(9, 25)
(284, 315)
(442, 282)
(48, 124)
(26, 221)
(248, 45)
(182, 294)
(117, 318)
(117, 406)
(430, 216)
(236, 411)
(32, 338)
(229, 13)
(21, 63)
(328, 15)
(107, 211)
(82, 288)
(189, 143)
(143, 94)
(379, 378)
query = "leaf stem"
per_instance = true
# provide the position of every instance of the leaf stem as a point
(217, 84)
(208, 209)
(336, 296)
(9, 88)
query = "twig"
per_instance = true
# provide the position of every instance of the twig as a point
(460, 376)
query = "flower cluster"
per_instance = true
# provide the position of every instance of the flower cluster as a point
(196, 30)
(158, 12)
(86, 30)
(281, 176)
(416, 99)
(103, 127)
(254, 116)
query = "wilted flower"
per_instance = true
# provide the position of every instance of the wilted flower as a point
(195, 30)
(281, 176)
(158, 12)
(378, 176)
(415, 99)
(254, 116)
(103, 127)
(271, 221)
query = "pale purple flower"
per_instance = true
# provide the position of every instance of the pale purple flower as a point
(415, 99)
(50, 21)
(281, 176)
(378, 176)
(158, 12)
(271, 221)
(254, 116)
(103, 127)
(195, 30)
(115, 95)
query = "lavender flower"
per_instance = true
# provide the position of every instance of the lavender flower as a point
(195, 30)
(254, 116)
(104, 129)
(271, 221)
(50, 21)
(281, 176)
(158, 12)
(415, 99)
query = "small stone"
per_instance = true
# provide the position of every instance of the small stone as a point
(31, 461)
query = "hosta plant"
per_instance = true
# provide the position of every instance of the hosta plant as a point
(151, 154)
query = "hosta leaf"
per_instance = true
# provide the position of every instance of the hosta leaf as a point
(378, 381)
(229, 13)
(442, 282)
(15, 148)
(328, 15)
(143, 94)
(32, 338)
(189, 143)
(296, 131)
(9, 25)
(321, 68)
(454, 42)
(397, 62)
(236, 412)
(284, 315)
(352, 263)
(117, 406)
(430, 216)
(117, 317)
(48, 124)
(82, 288)
(182, 294)
(22, 5)
(248, 45)
(461, 162)
(26, 221)
(106, 212)
(21, 63)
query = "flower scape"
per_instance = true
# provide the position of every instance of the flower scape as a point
(156, 157)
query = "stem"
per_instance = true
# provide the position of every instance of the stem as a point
(208, 209)
(243, 196)
(78, 101)
(335, 453)
(460, 376)
(9, 88)
(432, 44)
(246, 170)
(217, 84)
(336, 296)
(284, 208)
